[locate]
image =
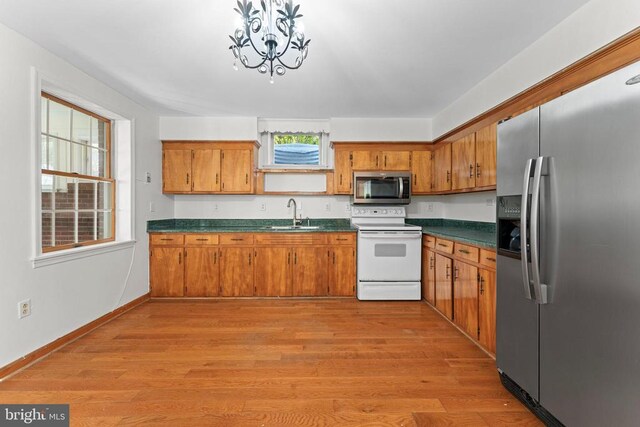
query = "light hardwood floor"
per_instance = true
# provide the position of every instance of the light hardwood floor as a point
(324, 362)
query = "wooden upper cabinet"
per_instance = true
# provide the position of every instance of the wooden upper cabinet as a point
(486, 141)
(176, 171)
(465, 301)
(395, 160)
(463, 163)
(422, 172)
(487, 310)
(205, 168)
(442, 164)
(272, 272)
(343, 175)
(237, 171)
(365, 160)
(167, 272)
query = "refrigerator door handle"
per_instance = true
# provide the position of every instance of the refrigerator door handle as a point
(540, 289)
(524, 209)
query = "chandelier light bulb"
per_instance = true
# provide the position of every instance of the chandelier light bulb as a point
(268, 31)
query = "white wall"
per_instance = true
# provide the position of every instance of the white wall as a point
(204, 128)
(470, 206)
(381, 129)
(591, 27)
(68, 295)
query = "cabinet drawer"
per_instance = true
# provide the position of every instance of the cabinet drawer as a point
(488, 258)
(342, 239)
(429, 242)
(444, 245)
(167, 239)
(201, 239)
(291, 239)
(466, 252)
(236, 239)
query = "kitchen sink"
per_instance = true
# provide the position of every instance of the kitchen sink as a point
(293, 227)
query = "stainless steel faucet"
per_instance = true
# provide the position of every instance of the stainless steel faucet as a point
(295, 211)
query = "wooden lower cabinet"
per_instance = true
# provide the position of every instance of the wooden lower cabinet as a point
(310, 270)
(202, 271)
(272, 272)
(465, 297)
(443, 286)
(487, 309)
(236, 271)
(167, 272)
(429, 276)
(342, 271)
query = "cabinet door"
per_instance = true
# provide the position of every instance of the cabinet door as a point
(444, 294)
(236, 271)
(422, 171)
(486, 156)
(167, 272)
(272, 272)
(463, 163)
(201, 272)
(396, 160)
(487, 310)
(428, 276)
(343, 175)
(442, 164)
(365, 160)
(206, 170)
(310, 270)
(176, 171)
(342, 270)
(465, 297)
(237, 171)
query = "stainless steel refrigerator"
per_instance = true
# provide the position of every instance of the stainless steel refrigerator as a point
(568, 291)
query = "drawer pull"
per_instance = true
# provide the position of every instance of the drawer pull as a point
(202, 240)
(464, 251)
(341, 239)
(167, 239)
(491, 259)
(443, 245)
(237, 240)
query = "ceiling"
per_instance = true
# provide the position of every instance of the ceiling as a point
(367, 58)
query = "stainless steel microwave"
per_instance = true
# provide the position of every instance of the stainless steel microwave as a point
(387, 188)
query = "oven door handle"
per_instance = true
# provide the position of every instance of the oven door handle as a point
(396, 236)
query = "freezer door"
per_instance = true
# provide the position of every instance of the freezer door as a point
(516, 327)
(589, 345)
(518, 141)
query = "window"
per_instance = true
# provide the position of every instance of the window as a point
(296, 149)
(78, 192)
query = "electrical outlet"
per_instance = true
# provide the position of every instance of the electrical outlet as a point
(215, 207)
(491, 202)
(327, 207)
(347, 207)
(152, 207)
(263, 207)
(430, 207)
(24, 308)
(148, 175)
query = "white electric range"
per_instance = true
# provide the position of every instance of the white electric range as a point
(389, 253)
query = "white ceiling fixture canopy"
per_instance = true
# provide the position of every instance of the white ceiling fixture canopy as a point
(371, 58)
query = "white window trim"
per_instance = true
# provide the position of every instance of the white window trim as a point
(322, 153)
(123, 240)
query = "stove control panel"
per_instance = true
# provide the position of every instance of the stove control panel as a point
(378, 212)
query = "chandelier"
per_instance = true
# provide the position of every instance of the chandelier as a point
(266, 34)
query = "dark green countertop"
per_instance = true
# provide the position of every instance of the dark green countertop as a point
(476, 233)
(331, 225)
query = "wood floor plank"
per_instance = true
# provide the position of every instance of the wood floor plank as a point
(273, 363)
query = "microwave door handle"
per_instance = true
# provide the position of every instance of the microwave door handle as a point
(401, 182)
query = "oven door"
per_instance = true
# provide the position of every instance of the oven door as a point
(389, 256)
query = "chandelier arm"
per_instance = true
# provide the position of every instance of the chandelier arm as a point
(250, 34)
(289, 67)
